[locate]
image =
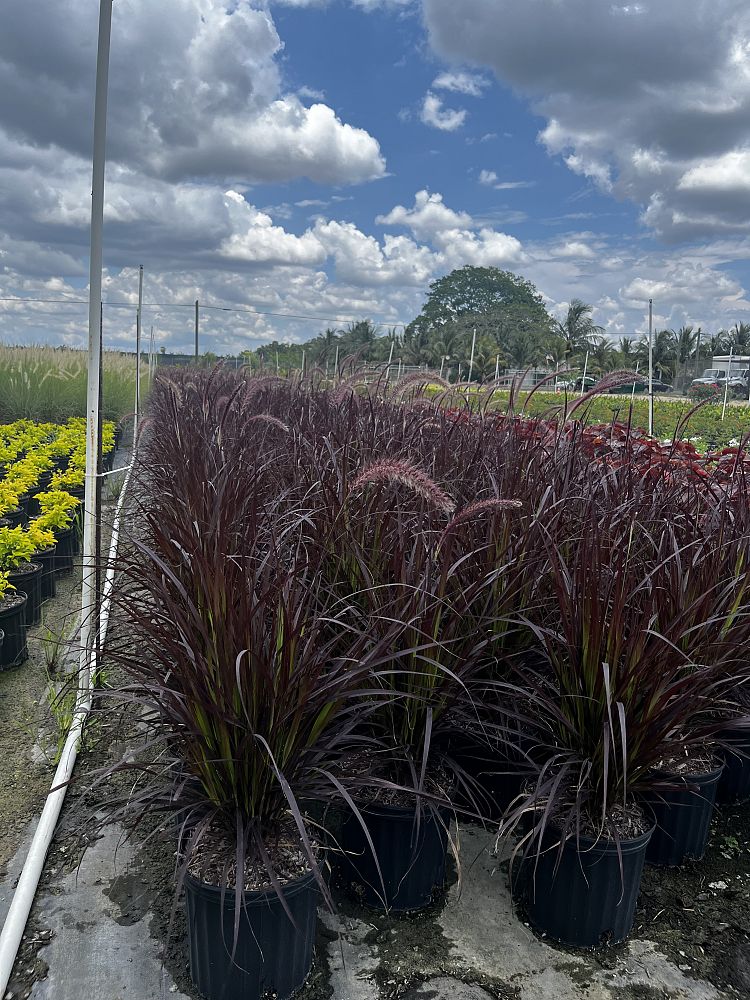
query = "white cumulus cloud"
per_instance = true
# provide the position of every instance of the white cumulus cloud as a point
(436, 116)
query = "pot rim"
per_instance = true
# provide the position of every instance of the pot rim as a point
(7, 612)
(251, 898)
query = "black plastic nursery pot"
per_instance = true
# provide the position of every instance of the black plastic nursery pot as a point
(47, 559)
(14, 650)
(411, 856)
(15, 517)
(27, 579)
(734, 784)
(42, 485)
(590, 900)
(65, 550)
(683, 818)
(273, 955)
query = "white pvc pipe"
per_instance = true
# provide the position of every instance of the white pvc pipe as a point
(18, 914)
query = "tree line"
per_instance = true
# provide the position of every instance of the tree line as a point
(513, 331)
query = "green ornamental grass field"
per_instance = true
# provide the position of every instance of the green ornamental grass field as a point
(49, 384)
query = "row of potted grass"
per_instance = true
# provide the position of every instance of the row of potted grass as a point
(41, 487)
(349, 615)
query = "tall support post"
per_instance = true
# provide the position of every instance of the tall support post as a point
(726, 383)
(138, 320)
(303, 364)
(91, 511)
(151, 357)
(651, 367)
(336, 366)
(585, 372)
(390, 359)
(697, 354)
(197, 328)
(471, 360)
(497, 367)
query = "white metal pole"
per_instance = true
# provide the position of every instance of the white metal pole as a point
(442, 364)
(90, 514)
(471, 361)
(390, 359)
(303, 364)
(585, 370)
(726, 383)
(138, 353)
(651, 367)
(336, 365)
(497, 367)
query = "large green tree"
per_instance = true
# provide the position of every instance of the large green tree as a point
(478, 291)
(505, 310)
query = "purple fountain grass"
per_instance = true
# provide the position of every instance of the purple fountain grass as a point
(404, 474)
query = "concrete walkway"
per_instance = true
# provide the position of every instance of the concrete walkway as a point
(471, 948)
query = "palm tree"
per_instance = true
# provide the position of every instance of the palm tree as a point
(739, 338)
(664, 350)
(362, 333)
(627, 350)
(685, 341)
(602, 355)
(578, 328)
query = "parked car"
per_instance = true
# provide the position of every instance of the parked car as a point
(738, 381)
(711, 376)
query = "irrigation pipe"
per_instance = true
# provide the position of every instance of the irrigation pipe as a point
(20, 907)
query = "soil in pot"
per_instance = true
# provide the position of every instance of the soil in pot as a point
(411, 856)
(272, 955)
(585, 897)
(47, 560)
(65, 550)
(734, 784)
(683, 811)
(27, 579)
(14, 650)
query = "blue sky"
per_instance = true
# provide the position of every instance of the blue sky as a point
(310, 162)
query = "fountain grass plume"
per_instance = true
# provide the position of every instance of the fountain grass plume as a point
(405, 474)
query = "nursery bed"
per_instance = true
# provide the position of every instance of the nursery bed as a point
(103, 929)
